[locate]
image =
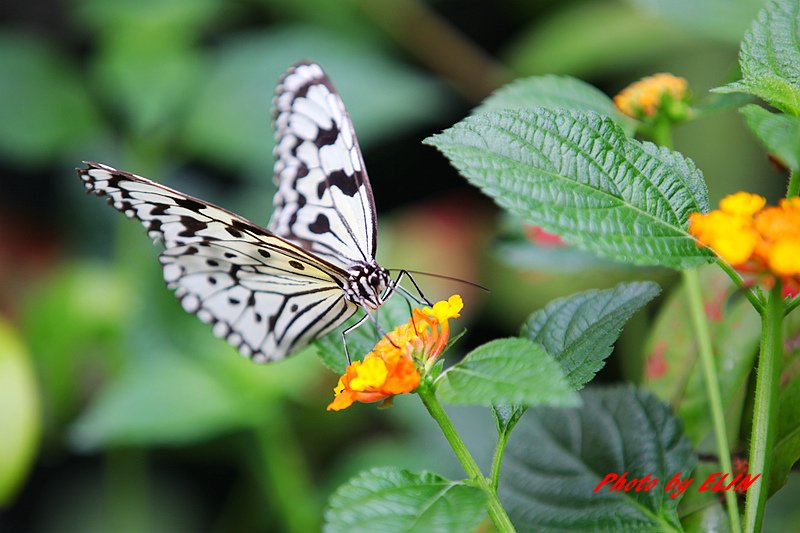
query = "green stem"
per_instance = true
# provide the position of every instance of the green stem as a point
(756, 299)
(661, 132)
(495, 508)
(794, 184)
(700, 323)
(497, 458)
(285, 479)
(765, 408)
(792, 305)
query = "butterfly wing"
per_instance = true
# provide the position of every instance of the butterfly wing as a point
(324, 200)
(265, 295)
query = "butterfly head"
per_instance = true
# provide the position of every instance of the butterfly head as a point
(367, 283)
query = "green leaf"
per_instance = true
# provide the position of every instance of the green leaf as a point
(579, 331)
(19, 413)
(45, 109)
(672, 369)
(169, 399)
(779, 133)
(719, 19)
(509, 370)
(73, 324)
(177, 20)
(557, 457)
(392, 500)
(506, 417)
(770, 57)
(579, 176)
(710, 518)
(164, 397)
(554, 92)
(787, 446)
(230, 122)
(587, 38)
(361, 340)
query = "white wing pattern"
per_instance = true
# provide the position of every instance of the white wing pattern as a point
(265, 295)
(324, 200)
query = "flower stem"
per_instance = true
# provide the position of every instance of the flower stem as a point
(756, 299)
(765, 408)
(794, 184)
(495, 508)
(700, 323)
(497, 458)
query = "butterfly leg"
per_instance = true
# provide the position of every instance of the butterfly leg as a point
(348, 330)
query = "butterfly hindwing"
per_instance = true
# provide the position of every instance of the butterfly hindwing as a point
(324, 200)
(266, 296)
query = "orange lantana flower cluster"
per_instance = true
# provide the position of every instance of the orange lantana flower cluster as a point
(400, 358)
(644, 98)
(754, 238)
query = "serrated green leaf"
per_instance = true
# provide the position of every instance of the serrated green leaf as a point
(770, 57)
(392, 500)
(579, 331)
(579, 176)
(20, 417)
(554, 92)
(779, 133)
(787, 445)
(672, 369)
(568, 452)
(361, 340)
(513, 370)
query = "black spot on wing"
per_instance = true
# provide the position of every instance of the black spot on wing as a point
(326, 137)
(188, 203)
(320, 225)
(346, 183)
(297, 264)
(191, 226)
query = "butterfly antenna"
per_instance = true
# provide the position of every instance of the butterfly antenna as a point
(441, 276)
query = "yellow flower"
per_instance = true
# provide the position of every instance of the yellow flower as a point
(754, 238)
(644, 98)
(394, 364)
(731, 236)
(446, 309)
(785, 257)
(742, 203)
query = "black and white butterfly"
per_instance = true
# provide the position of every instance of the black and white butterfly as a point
(271, 291)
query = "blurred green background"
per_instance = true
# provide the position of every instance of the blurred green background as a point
(118, 411)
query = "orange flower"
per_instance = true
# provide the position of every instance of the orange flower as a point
(753, 238)
(393, 366)
(646, 97)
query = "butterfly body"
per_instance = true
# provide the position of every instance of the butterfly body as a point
(270, 291)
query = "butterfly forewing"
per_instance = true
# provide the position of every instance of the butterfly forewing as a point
(266, 296)
(324, 200)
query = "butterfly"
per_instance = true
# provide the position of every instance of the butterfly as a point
(270, 291)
